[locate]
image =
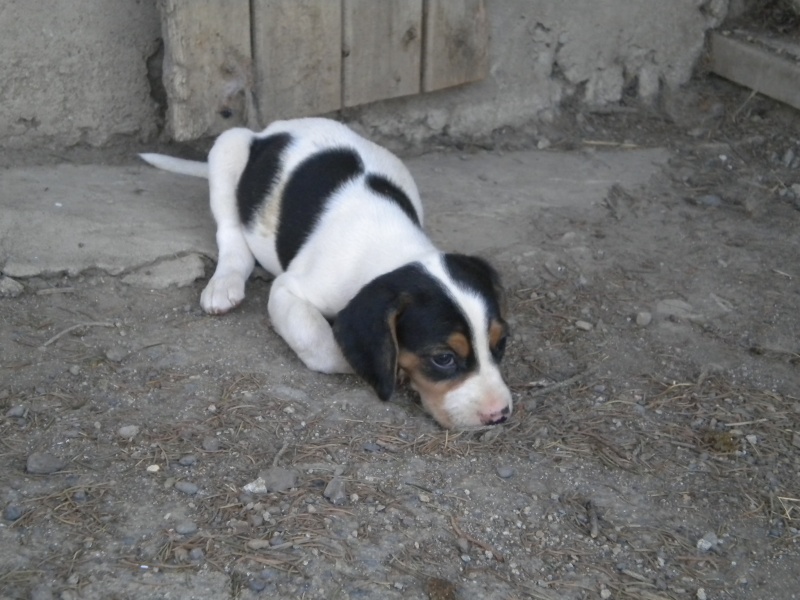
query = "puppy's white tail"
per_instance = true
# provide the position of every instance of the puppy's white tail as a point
(195, 168)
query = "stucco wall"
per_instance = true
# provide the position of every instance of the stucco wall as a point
(76, 72)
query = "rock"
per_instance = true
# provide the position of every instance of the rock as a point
(258, 544)
(128, 431)
(335, 492)
(188, 460)
(186, 527)
(643, 318)
(12, 512)
(210, 444)
(187, 487)
(16, 412)
(505, 472)
(278, 479)
(9, 288)
(179, 272)
(701, 594)
(584, 325)
(196, 554)
(116, 355)
(709, 200)
(44, 463)
(371, 447)
(679, 309)
(275, 479)
(708, 542)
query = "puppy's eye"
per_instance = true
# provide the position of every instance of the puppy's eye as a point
(444, 362)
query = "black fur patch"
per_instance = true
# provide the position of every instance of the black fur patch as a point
(424, 317)
(476, 274)
(260, 174)
(312, 183)
(388, 189)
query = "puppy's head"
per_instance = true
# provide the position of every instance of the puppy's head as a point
(439, 322)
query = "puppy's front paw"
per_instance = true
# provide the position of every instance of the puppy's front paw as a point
(222, 294)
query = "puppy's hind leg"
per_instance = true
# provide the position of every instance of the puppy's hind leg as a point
(226, 161)
(304, 328)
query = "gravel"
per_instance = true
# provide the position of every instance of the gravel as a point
(44, 463)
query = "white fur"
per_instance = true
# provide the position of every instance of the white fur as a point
(330, 268)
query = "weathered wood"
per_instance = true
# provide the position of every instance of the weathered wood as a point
(382, 49)
(207, 66)
(756, 67)
(298, 53)
(456, 43)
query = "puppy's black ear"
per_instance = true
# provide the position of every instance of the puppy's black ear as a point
(478, 274)
(366, 332)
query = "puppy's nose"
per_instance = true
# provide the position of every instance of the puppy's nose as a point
(496, 417)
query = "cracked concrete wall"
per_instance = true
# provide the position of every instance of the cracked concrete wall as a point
(545, 52)
(77, 72)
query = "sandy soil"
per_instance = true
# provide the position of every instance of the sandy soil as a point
(654, 451)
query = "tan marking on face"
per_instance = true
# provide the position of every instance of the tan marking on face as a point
(496, 332)
(432, 393)
(459, 343)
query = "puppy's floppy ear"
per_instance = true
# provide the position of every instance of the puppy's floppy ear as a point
(478, 274)
(365, 330)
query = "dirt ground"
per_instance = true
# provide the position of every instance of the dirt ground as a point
(654, 451)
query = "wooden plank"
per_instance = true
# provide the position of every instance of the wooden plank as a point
(382, 49)
(456, 43)
(756, 67)
(298, 48)
(207, 66)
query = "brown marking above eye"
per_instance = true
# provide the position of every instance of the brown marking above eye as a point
(497, 331)
(459, 344)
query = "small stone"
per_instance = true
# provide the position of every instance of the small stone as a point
(116, 355)
(196, 554)
(278, 479)
(128, 431)
(584, 325)
(187, 487)
(335, 491)
(424, 498)
(257, 585)
(643, 318)
(210, 444)
(371, 447)
(711, 200)
(505, 472)
(258, 544)
(16, 412)
(788, 157)
(752, 439)
(708, 542)
(10, 288)
(153, 468)
(605, 593)
(186, 528)
(463, 545)
(12, 512)
(701, 594)
(75, 370)
(44, 463)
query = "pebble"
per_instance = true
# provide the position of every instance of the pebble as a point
(506, 472)
(709, 200)
(463, 545)
(44, 463)
(644, 318)
(584, 325)
(12, 512)
(116, 355)
(16, 411)
(186, 527)
(197, 554)
(211, 444)
(371, 447)
(278, 479)
(335, 491)
(701, 594)
(128, 431)
(188, 460)
(708, 542)
(9, 288)
(187, 487)
(257, 584)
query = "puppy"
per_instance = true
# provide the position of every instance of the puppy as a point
(359, 286)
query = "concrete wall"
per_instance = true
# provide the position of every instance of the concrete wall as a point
(77, 71)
